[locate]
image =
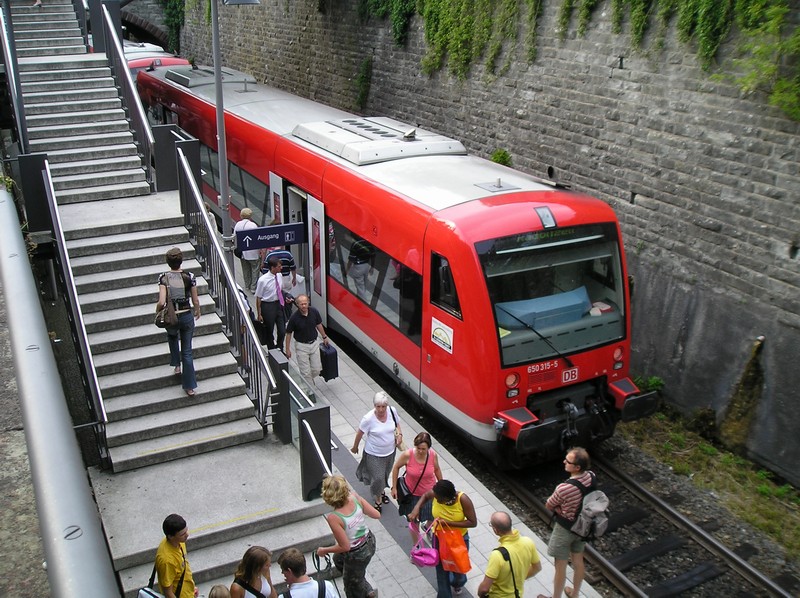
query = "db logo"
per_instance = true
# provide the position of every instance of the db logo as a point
(569, 375)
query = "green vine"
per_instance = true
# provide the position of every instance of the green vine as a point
(173, 18)
(564, 17)
(534, 10)
(460, 32)
(585, 15)
(363, 83)
(501, 156)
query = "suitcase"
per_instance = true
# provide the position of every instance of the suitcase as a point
(330, 362)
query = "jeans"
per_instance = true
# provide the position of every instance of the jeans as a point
(353, 566)
(445, 579)
(180, 349)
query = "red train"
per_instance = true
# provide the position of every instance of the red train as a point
(498, 301)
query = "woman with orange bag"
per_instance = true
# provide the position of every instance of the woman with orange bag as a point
(453, 509)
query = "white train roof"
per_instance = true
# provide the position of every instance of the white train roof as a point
(429, 168)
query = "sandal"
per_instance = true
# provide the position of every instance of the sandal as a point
(569, 592)
(190, 392)
(378, 506)
(384, 499)
(177, 370)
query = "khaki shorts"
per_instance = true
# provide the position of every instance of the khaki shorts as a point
(563, 542)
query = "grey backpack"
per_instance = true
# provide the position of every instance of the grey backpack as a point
(592, 519)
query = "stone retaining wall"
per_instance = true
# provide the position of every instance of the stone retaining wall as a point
(705, 181)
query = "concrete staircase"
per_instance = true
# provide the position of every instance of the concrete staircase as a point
(151, 419)
(73, 109)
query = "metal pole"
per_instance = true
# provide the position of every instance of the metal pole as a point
(222, 152)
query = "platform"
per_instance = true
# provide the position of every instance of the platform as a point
(350, 397)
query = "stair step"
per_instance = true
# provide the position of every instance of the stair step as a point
(162, 399)
(46, 33)
(219, 560)
(69, 118)
(69, 97)
(78, 130)
(91, 72)
(103, 281)
(102, 192)
(95, 179)
(134, 315)
(94, 166)
(192, 417)
(94, 140)
(184, 444)
(85, 105)
(53, 41)
(153, 356)
(129, 222)
(49, 51)
(106, 341)
(65, 23)
(161, 237)
(151, 378)
(76, 61)
(29, 87)
(113, 257)
(91, 153)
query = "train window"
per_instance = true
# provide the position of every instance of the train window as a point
(443, 287)
(555, 291)
(256, 196)
(209, 164)
(389, 288)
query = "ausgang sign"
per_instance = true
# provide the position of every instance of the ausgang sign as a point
(271, 236)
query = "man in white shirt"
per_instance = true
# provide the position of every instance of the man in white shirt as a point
(293, 566)
(250, 259)
(270, 304)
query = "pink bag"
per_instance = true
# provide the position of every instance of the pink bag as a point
(422, 553)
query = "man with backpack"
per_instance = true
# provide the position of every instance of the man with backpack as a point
(293, 566)
(510, 564)
(566, 502)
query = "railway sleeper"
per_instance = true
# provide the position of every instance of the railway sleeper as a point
(629, 516)
(645, 552)
(681, 583)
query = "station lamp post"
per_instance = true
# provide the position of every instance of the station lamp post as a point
(222, 151)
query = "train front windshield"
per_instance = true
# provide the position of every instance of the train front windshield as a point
(556, 291)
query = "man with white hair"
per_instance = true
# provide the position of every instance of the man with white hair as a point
(250, 259)
(305, 326)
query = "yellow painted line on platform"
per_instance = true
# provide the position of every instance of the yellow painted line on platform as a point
(211, 526)
(174, 446)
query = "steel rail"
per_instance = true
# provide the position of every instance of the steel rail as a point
(699, 535)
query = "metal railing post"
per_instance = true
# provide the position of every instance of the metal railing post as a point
(282, 424)
(315, 448)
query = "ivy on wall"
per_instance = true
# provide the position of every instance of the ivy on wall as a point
(173, 18)
(461, 32)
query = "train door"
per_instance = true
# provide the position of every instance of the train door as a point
(317, 236)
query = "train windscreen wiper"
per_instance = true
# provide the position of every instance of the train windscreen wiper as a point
(539, 334)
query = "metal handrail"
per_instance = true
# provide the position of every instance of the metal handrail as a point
(72, 536)
(317, 448)
(122, 75)
(12, 76)
(223, 288)
(81, 338)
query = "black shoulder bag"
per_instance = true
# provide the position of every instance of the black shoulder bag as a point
(249, 588)
(148, 591)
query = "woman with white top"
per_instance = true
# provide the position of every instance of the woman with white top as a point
(252, 577)
(378, 427)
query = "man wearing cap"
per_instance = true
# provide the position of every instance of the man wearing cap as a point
(250, 259)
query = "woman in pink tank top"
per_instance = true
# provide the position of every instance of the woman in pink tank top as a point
(422, 472)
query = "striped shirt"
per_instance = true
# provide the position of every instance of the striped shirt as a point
(566, 499)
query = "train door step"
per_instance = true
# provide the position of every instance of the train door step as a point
(645, 552)
(691, 579)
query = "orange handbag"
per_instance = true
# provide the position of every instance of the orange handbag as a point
(453, 553)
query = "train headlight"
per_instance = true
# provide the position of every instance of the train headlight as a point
(512, 380)
(618, 353)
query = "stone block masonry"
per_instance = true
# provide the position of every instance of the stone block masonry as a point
(704, 180)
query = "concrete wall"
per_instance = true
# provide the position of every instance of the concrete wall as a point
(705, 181)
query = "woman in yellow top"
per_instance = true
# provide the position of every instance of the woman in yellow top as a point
(456, 510)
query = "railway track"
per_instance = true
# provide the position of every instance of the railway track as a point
(650, 549)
